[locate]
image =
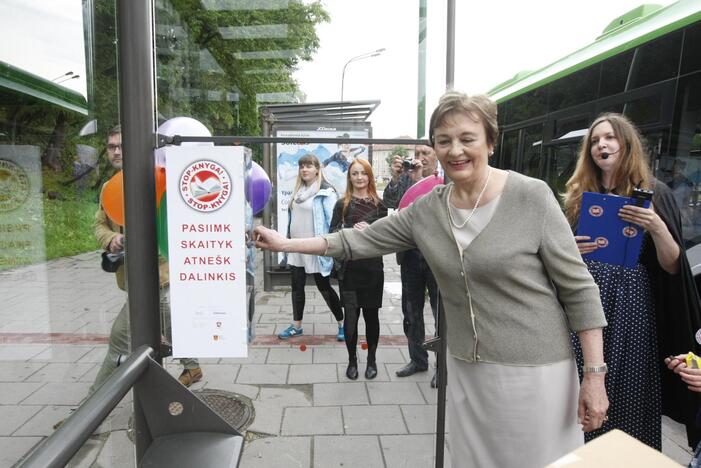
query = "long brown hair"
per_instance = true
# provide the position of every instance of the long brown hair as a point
(372, 189)
(632, 171)
(308, 158)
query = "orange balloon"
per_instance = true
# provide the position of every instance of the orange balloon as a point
(112, 199)
(160, 184)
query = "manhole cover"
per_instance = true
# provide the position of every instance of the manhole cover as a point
(233, 408)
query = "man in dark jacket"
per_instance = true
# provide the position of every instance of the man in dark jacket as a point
(415, 274)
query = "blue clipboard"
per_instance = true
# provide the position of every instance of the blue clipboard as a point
(619, 241)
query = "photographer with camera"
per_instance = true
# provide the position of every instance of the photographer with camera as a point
(415, 273)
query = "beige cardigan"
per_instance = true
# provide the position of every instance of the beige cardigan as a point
(523, 275)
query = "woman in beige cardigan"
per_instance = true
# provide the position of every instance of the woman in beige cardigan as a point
(513, 286)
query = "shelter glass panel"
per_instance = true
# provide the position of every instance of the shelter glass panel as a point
(58, 103)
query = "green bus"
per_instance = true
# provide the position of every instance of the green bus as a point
(647, 65)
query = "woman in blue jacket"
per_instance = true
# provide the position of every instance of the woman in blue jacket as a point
(310, 213)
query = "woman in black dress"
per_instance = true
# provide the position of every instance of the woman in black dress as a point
(651, 309)
(360, 281)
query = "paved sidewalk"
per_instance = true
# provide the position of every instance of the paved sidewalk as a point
(54, 323)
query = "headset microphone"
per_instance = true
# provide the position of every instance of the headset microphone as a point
(605, 155)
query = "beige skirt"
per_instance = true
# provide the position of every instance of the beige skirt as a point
(511, 416)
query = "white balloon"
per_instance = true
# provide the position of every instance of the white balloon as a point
(185, 126)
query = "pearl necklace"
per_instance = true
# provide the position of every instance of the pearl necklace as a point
(474, 209)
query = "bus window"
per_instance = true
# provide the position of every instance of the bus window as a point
(645, 110)
(509, 147)
(691, 57)
(578, 88)
(614, 74)
(683, 173)
(561, 163)
(656, 61)
(532, 144)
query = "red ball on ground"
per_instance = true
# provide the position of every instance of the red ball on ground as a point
(364, 346)
(302, 347)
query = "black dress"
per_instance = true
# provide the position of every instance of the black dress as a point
(651, 314)
(361, 282)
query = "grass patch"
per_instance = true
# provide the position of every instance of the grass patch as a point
(68, 226)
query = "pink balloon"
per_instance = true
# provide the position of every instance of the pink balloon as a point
(420, 189)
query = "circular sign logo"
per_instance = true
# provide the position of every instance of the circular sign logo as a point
(14, 185)
(601, 242)
(596, 211)
(205, 185)
(630, 231)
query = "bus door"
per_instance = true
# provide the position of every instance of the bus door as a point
(561, 159)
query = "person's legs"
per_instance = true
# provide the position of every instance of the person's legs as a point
(192, 372)
(372, 335)
(413, 298)
(119, 345)
(298, 279)
(323, 284)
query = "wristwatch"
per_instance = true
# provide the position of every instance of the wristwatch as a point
(602, 369)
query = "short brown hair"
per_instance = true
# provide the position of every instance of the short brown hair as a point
(479, 107)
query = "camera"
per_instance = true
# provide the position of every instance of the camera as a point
(112, 261)
(640, 195)
(408, 164)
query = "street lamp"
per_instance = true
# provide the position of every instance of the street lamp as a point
(374, 53)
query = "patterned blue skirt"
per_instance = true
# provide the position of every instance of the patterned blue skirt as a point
(630, 351)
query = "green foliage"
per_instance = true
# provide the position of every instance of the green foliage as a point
(397, 150)
(68, 226)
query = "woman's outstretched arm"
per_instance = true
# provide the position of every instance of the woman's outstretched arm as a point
(270, 239)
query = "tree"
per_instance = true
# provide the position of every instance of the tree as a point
(397, 151)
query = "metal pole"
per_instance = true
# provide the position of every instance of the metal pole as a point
(450, 46)
(135, 24)
(421, 105)
(343, 77)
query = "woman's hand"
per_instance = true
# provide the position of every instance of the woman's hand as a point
(691, 377)
(583, 246)
(668, 250)
(268, 239)
(593, 402)
(361, 225)
(646, 218)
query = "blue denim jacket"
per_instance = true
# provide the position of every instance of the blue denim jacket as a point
(322, 211)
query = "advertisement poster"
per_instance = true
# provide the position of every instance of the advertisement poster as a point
(206, 250)
(334, 159)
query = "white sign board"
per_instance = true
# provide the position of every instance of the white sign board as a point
(206, 250)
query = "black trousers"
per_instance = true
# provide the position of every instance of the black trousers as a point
(416, 279)
(323, 284)
(372, 331)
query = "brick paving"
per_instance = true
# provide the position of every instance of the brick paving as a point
(54, 324)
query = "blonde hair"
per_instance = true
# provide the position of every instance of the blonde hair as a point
(632, 171)
(303, 161)
(372, 189)
(479, 108)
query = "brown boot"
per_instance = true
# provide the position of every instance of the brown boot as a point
(190, 376)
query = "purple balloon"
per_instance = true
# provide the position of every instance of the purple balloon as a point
(259, 188)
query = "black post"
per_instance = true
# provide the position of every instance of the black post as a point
(135, 24)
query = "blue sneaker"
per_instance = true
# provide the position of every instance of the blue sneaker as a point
(289, 332)
(341, 335)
